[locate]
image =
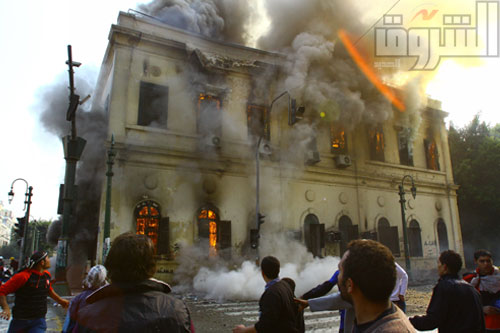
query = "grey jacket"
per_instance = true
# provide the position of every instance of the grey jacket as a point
(334, 302)
(396, 322)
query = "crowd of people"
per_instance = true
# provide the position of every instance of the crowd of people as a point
(122, 295)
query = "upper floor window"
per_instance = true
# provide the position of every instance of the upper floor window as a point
(209, 120)
(338, 141)
(153, 105)
(258, 121)
(431, 154)
(405, 147)
(377, 145)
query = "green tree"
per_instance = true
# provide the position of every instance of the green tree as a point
(475, 155)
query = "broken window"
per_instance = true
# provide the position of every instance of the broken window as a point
(209, 121)
(405, 147)
(338, 139)
(415, 239)
(388, 236)
(153, 105)
(147, 217)
(377, 145)
(348, 232)
(431, 154)
(258, 122)
(442, 236)
(314, 235)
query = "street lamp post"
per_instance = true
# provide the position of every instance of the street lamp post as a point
(402, 201)
(293, 116)
(107, 213)
(27, 206)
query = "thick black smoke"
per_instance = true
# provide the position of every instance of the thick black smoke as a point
(219, 19)
(92, 126)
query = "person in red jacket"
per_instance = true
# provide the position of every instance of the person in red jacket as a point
(486, 279)
(31, 286)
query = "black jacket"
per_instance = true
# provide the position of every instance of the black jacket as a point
(139, 307)
(455, 307)
(278, 312)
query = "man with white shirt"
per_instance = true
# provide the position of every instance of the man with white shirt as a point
(399, 291)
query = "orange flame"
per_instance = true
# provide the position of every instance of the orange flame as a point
(368, 71)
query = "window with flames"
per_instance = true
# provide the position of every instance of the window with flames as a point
(377, 145)
(209, 118)
(148, 220)
(208, 228)
(338, 139)
(431, 154)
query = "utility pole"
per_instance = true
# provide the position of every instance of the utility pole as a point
(73, 149)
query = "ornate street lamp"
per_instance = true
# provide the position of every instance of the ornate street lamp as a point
(27, 206)
(107, 213)
(402, 201)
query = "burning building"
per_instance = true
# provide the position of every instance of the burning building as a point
(187, 112)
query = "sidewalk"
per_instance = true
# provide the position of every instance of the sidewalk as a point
(55, 318)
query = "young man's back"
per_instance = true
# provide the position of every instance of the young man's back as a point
(278, 312)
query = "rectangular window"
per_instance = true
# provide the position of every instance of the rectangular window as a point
(377, 145)
(405, 147)
(338, 141)
(209, 120)
(431, 154)
(258, 122)
(153, 105)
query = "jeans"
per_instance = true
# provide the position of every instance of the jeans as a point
(28, 325)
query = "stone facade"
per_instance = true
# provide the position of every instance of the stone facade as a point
(185, 168)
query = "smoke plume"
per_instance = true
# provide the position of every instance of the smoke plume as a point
(219, 19)
(240, 279)
(91, 125)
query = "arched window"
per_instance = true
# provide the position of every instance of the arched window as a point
(348, 232)
(388, 236)
(314, 234)
(147, 217)
(415, 239)
(442, 236)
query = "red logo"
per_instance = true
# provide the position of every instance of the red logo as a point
(425, 14)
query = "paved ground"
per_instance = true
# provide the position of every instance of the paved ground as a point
(210, 316)
(55, 317)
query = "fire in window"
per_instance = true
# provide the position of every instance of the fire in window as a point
(431, 154)
(338, 139)
(147, 214)
(209, 115)
(377, 145)
(258, 121)
(153, 105)
(405, 147)
(207, 221)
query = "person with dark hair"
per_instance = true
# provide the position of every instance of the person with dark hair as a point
(366, 280)
(31, 287)
(455, 305)
(486, 280)
(291, 283)
(278, 312)
(134, 301)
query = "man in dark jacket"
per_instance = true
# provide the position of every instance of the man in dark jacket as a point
(455, 305)
(133, 302)
(278, 312)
